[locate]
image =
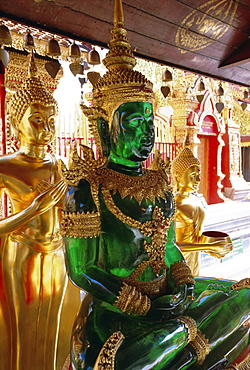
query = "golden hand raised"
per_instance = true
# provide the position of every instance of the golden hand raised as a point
(49, 198)
(42, 203)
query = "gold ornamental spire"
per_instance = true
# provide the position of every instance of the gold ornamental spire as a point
(187, 141)
(32, 71)
(121, 83)
(32, 91)
(118, 12)
(120, 54)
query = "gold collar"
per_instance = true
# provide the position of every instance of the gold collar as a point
(149, 186)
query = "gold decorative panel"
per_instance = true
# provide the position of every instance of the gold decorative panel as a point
(204, 25)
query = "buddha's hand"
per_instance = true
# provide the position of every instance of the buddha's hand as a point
(43, 186)
(49, 198)
(132, 302)
(173, 305)
(220, 248)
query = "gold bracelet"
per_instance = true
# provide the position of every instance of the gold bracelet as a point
(181, 273)
(106, 357)
(242, 284)
(201, 346)
(190, 325)
(243, 365)
(135, 302)
(146, 305)
(124, 295)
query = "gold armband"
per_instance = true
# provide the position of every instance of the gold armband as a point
(132, 301)
(106, 357)
(181, 273)
(243, 365)
(201, 346)
(242, 284)
(80, 225)
(190, 325)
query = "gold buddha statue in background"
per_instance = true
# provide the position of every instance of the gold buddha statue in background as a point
(32, 270)
(190, 213)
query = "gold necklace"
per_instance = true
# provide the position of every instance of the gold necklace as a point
(156, 230)
(149, 186)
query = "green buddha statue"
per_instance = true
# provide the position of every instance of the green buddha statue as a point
(143, 309)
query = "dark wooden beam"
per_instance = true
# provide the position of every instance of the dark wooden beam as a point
(240, 56)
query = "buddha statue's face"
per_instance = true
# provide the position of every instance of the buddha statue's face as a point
(38, 124)
(190, 181)
(132, 133)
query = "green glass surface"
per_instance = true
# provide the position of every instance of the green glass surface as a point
(157, 340)
(132, 137)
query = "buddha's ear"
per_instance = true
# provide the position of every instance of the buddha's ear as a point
(14, 123)
(104, 133)
(176, 179)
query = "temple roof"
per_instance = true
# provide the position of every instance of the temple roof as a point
(209, 37)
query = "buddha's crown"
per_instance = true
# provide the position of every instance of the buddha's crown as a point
(184, 160)
(121, 83)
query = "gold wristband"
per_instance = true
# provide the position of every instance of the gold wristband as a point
(243, 365)
(201, 346)
(190, 325)
(242, 284)
(106, 357)
(181, 273)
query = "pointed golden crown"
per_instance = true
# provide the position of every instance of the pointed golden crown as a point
(121, 83)
(32, 91)
(184, 160)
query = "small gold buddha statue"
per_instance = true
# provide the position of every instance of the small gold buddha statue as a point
(190, 213)
(32, 271)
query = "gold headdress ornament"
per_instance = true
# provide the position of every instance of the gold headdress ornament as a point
(33, 91)
(121, 83)
(184, 160)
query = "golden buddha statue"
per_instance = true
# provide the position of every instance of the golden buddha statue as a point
(190, 213)
(32, 270)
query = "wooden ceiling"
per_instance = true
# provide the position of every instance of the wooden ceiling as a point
(209, 37)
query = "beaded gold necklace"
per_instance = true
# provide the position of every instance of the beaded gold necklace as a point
(156, 230)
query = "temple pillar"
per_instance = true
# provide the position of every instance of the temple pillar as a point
(235, 187)
(3, 201)
(2, 109)
(183, 104)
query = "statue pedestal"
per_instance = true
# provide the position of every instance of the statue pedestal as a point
(240, 189)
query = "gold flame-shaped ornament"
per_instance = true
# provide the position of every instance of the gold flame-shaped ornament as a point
(121, 83)
(32, 91)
